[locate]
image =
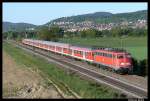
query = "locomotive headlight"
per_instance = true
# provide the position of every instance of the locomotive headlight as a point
(122, 63)
(125, 63)
(128, 64)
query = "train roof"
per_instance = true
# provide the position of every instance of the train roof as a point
(50, 43)
(111, 52)
(99, 48)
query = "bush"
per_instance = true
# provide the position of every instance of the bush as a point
(140, 67)
(144, 67)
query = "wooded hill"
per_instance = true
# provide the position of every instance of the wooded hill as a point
(105, 17)
(8, 26)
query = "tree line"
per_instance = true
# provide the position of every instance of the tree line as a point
(114, 32)
(54, 33)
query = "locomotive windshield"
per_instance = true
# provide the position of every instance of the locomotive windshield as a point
(120, 56)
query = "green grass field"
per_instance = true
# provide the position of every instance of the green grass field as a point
(82, 87)
(137, 46)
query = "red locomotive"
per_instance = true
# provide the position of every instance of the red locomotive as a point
(111, 58)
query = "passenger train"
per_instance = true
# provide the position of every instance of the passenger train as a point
(115, 59)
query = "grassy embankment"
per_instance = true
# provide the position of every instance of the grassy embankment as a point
(137, 46)
(82, 87)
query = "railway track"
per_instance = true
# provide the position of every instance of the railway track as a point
(132, 91)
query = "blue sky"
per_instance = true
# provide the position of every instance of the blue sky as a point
(41, 13)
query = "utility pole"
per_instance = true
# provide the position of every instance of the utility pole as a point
(26, 34)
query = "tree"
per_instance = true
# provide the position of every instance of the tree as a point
(44, 33)
(99, 33)
(59, 32)
(52, 33)
(83, 34)
(104, 33)
(68, 34)
(5, 35)
(91, 33)
(145, 32)
(143, 67)
(116, 32)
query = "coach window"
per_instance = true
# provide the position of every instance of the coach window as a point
(97, 53)
(70, 50)
(81, 53)
(103, 54)
(110, 55)
(113, 55)
(106, 55)
(100, 54)
(75, 51)
(86, 53)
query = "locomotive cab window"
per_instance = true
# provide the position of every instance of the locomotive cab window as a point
(120, 56)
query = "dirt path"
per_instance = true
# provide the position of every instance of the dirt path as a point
(19, 82)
